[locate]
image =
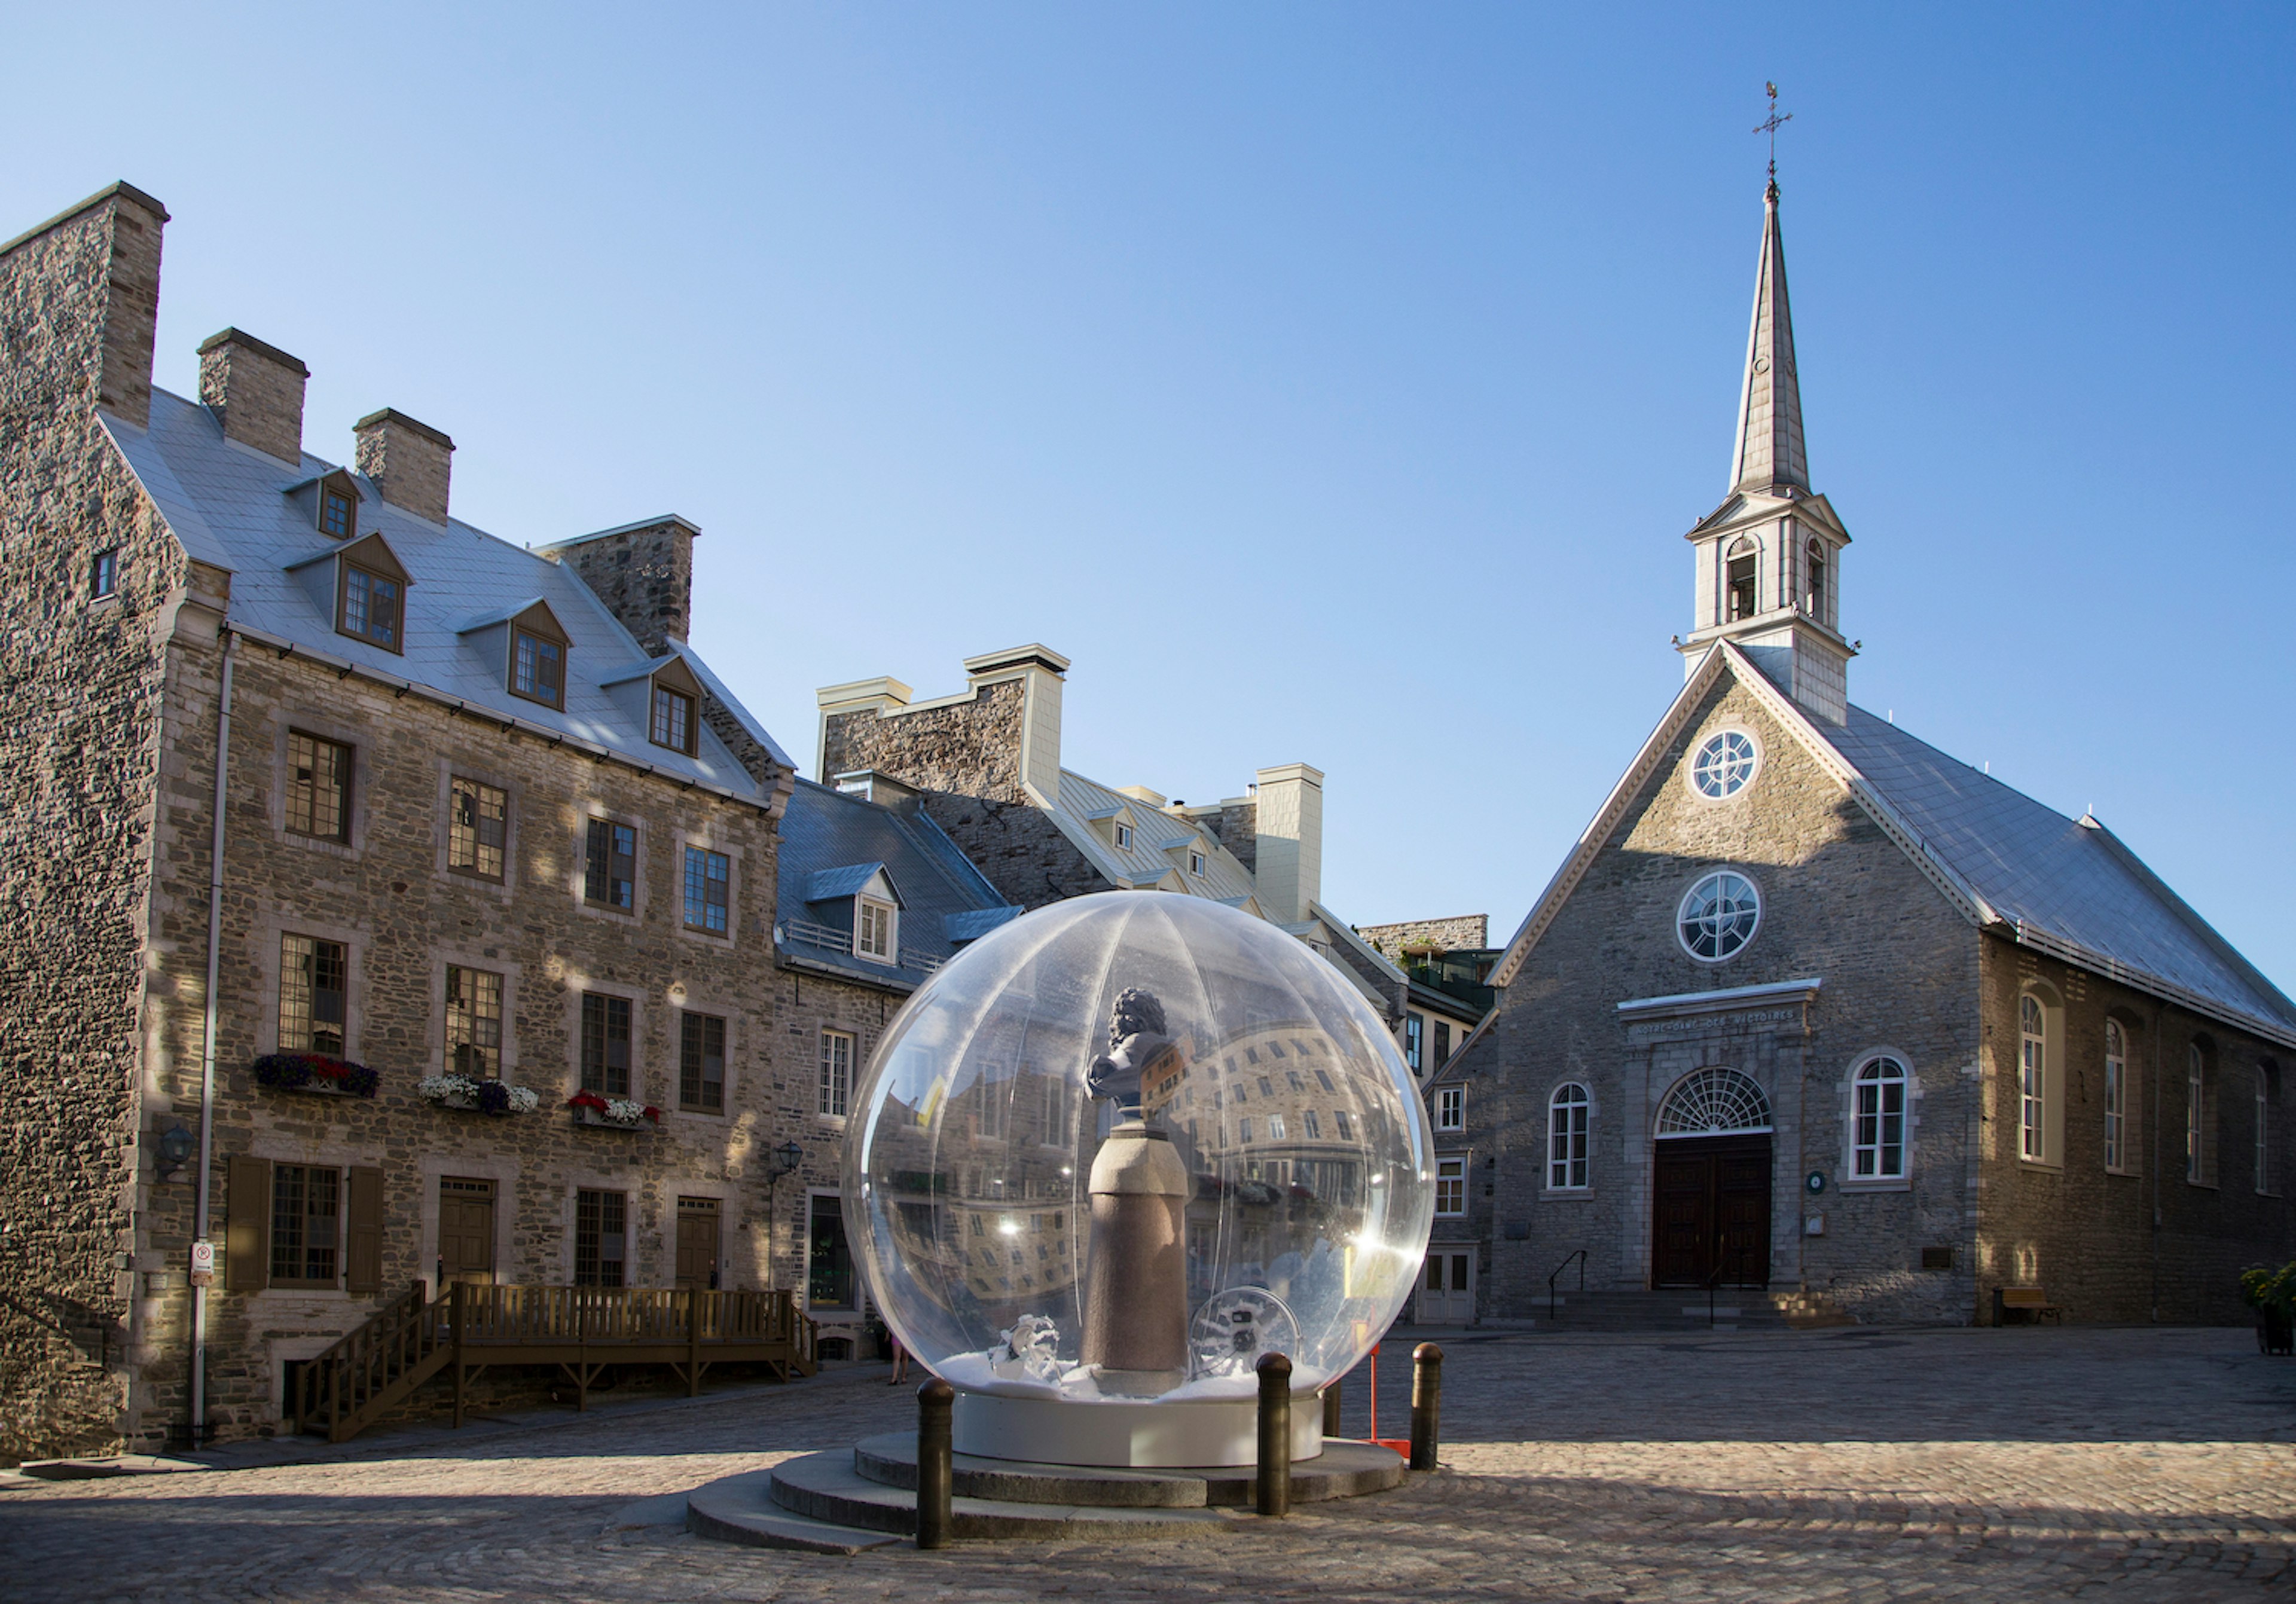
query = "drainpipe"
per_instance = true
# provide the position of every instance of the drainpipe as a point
(207, 1043)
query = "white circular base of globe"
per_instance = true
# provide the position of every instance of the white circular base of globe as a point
(1055, 1431)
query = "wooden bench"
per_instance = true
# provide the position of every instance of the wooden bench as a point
(2029, 1303)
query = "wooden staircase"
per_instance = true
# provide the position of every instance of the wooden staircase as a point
(582, 1330)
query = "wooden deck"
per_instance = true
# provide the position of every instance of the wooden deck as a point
(580, 1329)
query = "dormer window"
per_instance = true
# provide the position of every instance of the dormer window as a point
(1124, 838)
(1743, 593)
(538, 667)
(672, 724)
(1195, 861)
(338, 512)
(370, 606)
(872, 930)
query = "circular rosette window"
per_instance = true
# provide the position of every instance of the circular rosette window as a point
(1124, 1145)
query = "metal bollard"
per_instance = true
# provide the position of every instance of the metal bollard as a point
(936, 1462)
(1275, 1435)
(1332, 1409)
(1426, 1403)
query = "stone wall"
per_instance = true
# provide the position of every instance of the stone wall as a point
(1238, 828)
(1463, 933)
(79, 753)
(644, 575)
(1841, 903)
(388, 895)
(2145, 1242)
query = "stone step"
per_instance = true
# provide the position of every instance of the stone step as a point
(1344, 1469)
(740, 1509)
(825, 1487)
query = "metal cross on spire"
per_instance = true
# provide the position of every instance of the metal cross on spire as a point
(1769, 125)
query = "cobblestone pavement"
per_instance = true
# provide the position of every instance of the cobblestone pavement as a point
(1854, 1464)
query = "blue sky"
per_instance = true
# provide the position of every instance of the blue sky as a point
(1331, 382)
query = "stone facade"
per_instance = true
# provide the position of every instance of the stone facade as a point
(644, 572)
(112, 762)
(1462, 933)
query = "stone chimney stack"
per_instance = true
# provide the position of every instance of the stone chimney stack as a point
(1041, 672)
(644, 572)
(409, 462)
(255, 391)
(1290, 872)
(84, 287)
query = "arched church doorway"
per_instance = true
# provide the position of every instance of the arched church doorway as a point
(1710, 1183)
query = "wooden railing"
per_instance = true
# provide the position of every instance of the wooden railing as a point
(581, 1329)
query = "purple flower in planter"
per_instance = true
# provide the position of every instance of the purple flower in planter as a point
(493, 1097)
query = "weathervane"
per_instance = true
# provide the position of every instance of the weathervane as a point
(1769, 125)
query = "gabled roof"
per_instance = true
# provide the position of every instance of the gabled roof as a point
(833, 845)
(1084, 802)
(226, 504)
(2009, 863)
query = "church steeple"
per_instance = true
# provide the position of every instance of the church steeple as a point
(1770, 449)
(1769, 557)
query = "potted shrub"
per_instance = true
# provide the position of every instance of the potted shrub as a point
(2272, 1294)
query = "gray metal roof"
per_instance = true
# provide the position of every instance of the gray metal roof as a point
(2060, 879)
(830, 841)
(1149, 859)
(227, 504)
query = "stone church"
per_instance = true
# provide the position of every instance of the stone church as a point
(1816, 1008)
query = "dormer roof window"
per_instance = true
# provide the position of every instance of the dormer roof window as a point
(363, 584)
(1195, 861)
(538, 656)
(876, 908)
(339, 500)
(1123, 836)
(672, 721)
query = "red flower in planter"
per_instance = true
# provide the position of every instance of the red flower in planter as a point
(586, 1099)
(653, 1113)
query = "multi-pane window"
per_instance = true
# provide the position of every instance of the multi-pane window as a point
(1312, 1124)
(478, 826)
(1195, 863)
(1343, 1124)
(836, 1073)
(474, 1021)
(609, 874)
(872, 930)
(318, 786)
(1275, 1130)
(2116, 1096)
(338, 513)
(1124, 838)
(701, 1063)
(1451, 1108)
(1817, 577)
(311, 981)
(707, 875)
(2033, 1031)
(370, 606)
(1877, 1134)
(1450, 1186)
(1243, 1130)
(2196, 1113)
(103, 574)
(1442, 1042)
(538, 668)
(1413, 1025)
(306, 1205)
(601, 1238)
(1566, 1136)
(605, 1045)
(673, 720)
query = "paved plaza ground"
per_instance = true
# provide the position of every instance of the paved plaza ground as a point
(1857, 1464)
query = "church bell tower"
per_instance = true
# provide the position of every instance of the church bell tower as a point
(1769, 557)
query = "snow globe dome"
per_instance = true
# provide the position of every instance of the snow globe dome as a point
(1116, 1150)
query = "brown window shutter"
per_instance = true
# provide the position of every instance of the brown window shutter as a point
(363, 1264)
(247, 1225)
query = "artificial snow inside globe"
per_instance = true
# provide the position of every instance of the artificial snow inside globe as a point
(1117, 1150)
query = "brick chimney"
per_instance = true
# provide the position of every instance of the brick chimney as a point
(87, 284)
(1290, 867)
(409, 462)
(255, 391)
(644, 572)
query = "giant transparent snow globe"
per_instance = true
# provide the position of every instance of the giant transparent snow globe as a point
(1117, 1150)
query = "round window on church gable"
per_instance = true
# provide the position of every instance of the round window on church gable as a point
(1718, 916)
(1724, 765)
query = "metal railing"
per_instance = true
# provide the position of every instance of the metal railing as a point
(1553, 1303)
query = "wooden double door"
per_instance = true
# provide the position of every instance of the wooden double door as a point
(1711, 1199)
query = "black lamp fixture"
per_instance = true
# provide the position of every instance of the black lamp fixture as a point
(786, 1157)
(176, 1146)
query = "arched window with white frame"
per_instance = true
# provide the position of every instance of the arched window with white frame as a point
(1566, 1138)
(2116, 1096)
(1877, 1119)
(2033, 1080)
(1742, 584)
(2199, 1115)
(1813, 574)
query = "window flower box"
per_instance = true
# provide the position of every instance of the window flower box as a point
(315, 1072)
(479, 1096)
(616, 1113)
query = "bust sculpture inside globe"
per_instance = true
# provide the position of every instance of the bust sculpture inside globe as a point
(1117, 1150)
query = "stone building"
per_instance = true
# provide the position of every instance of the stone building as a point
(873, 899)
(1813, 1006)
(1448, 964)
(986, 764)
(346, 845)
